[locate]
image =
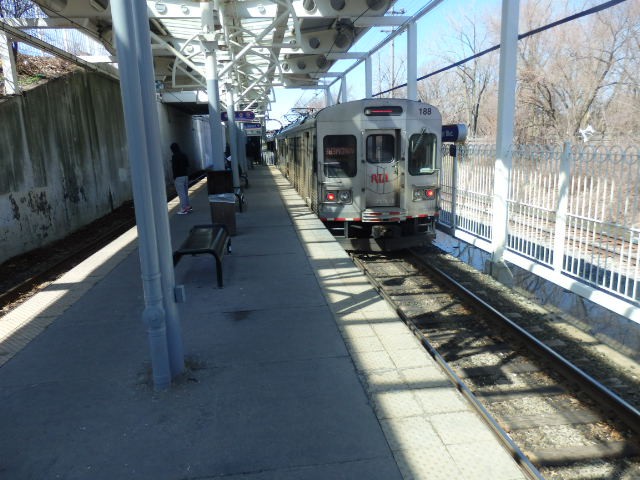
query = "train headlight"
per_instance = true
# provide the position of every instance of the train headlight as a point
(345, 196)
(422, 193)
(338, 196)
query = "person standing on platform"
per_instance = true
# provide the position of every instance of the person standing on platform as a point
(180, 167)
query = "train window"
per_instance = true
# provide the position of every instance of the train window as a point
(339, 156)
(315, 154)
(422, 153)
(380, 148)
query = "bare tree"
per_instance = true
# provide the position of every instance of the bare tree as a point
(476, 76)
(579, 74)
(443, 91)
(572, 76)
(536, 113)
(391, 71)
(620, 116)
(18, 9)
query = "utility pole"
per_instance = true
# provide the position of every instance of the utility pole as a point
(393, 54)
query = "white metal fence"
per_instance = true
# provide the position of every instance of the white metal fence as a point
(571, 210)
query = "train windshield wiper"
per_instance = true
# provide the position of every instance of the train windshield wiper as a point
(419, 142)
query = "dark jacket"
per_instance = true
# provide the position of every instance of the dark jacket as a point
(179, 162)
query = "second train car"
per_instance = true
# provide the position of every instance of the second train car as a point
(370, 170)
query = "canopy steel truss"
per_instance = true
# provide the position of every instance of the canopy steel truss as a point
(259, 44)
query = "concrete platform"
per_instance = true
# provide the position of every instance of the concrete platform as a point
(297, 369)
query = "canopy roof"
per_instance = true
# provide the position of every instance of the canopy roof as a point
(259, 43)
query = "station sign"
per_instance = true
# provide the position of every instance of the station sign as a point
(252, 129)
(454, 133)
(242, 116)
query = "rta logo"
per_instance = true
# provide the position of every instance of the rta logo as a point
(380, 178)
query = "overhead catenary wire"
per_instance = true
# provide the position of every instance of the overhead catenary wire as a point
(521, 36)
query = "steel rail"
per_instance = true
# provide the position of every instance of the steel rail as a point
(620, 407)
(56, 269)
(51, 272)
(518, 455)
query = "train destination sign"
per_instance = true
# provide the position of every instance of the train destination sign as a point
(242, 116)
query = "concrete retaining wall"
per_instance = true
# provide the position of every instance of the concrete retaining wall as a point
(63, 158)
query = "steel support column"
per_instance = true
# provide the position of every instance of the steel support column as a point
(8, 66)
(412, 61)
(154, 315)
(158, 187)
(343, 90)
(213, 94)
(241, 135)
(209, 10)
(368, 68)
(504, 141)
(328, 98)
(241, 139)
(562, 208)
(233, 137)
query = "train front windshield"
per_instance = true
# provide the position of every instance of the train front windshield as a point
(380, 148)
(422, 153)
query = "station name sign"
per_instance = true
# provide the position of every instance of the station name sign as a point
(454, 133)
(242, 116)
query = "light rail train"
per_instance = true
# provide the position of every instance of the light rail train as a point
(370, 170)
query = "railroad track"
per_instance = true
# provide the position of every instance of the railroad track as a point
(27, 274)
(568, 424)
(23, 276)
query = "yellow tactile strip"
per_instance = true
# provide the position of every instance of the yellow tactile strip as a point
(25, 322)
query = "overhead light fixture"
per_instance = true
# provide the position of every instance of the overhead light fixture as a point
(321, 61)
(345, 34)
(161, 8)
(376, 4)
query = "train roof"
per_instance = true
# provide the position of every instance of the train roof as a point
(310, 119)
(303, 120)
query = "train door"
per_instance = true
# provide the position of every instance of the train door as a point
(382, 180)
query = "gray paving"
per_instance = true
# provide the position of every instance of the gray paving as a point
(297, 369)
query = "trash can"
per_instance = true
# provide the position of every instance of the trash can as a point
(219, 181)
(223, 210)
